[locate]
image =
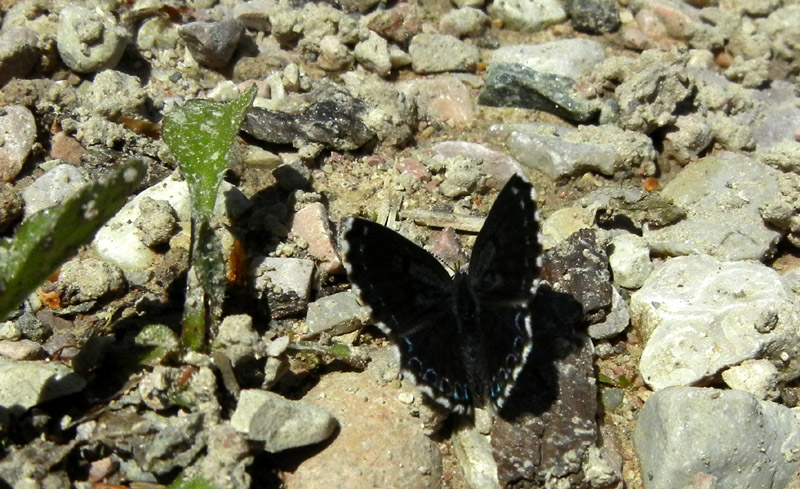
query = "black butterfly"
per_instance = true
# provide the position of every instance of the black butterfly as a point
(464, 339)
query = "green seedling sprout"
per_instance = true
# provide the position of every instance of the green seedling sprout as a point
(201, 135)
(50, 237)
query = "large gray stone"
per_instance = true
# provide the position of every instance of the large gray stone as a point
(24, 384)
(89, 40)
(729, 436)
(564, 57)
(722, 196)
(280, 423)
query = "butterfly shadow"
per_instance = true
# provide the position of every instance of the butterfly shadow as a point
(555, 321)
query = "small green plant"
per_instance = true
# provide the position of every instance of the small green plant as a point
(50, 237)
(201, 135)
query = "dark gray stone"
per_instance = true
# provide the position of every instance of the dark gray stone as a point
(514, 85)
(212, 43)
(593, 16)
(333, 122)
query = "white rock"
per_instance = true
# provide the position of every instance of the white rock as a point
(117, 241)
(528, 15)
(565, 57)
(700, 315)
(630, 260)
(758, 377)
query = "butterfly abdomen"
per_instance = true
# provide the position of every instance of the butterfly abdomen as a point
(471, 343)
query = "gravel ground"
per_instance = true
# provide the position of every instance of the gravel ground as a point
(662, 139)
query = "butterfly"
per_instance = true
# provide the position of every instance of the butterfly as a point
(463, 339)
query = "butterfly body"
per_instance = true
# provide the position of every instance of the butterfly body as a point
(465, 338)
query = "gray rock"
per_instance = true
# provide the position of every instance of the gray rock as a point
(650, 98)
(559, 152)
(562, 223)
(758, 377)
(593, 16)
(212, 43)
(461, 177)
(528, 15)
(11, 205)
(254, 14)
(334, 121)
(89, 40)
(238, 338)
(778, 114)
(783, 210)
(514, 85)
(715, 192)
(692, 135)
(113, 93)
(388, 113)
(29, 466)
(88, 279)
(17, 132)
(565, 57)
(615, 322)
(176, 442)
(284, 283)
(464, 22)
(18, 53)
(629, 260)
(227, 459)
(497, 165)
(373, 54)
(474, 453)
(728, 435)
(336, 314)
(437, 53)
(157, 221)
(157, 36)
(699, 315)
(280, 423)
(782, 28)
(292, 175)
(334, 55)
(24, 384)
(58, 185)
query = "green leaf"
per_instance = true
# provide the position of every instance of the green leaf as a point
(201, 135)
(51, 237)
(183, 482)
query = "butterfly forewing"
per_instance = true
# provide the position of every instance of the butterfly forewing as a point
(396, 278)
(408, 292)
(506, 259)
